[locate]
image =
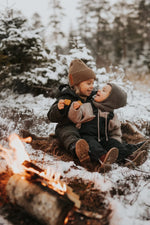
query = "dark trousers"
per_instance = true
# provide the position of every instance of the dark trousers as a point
(67, 135)
(97, 149)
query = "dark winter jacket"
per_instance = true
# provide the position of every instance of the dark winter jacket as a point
(61, 116)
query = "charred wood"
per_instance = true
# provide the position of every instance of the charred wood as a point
(45, 204)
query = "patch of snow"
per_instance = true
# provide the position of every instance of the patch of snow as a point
(129, 209)
(4, 221)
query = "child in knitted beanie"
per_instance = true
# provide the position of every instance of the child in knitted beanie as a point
(80, 88)
(100, 127)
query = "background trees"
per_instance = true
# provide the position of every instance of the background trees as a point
(118, 34)
(33, 56)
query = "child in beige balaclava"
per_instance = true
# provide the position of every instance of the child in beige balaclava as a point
(100, 127)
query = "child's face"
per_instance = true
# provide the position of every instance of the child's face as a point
(101, 95)
(86, 87)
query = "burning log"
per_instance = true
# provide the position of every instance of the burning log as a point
(38, 200)
(69, 192)
(39, 192)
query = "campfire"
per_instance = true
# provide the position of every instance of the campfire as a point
(44, 195)
(40, 192)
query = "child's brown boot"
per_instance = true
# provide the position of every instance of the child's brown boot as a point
(107, 160)
(142, 146)
(110, 157)
(138, 160)
(82, 151)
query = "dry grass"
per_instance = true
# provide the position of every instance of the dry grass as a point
(140, 82)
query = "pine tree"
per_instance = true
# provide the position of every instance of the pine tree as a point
(94, 28)
(38, 27)
(79, 50)
(55, 31)
(84, 29)
(19, 44)
(36, 21)
(124, 32)
(144, 30)
(131, 34)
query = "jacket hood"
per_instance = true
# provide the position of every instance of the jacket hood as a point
(116, 99)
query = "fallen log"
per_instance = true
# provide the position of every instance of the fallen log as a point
(69, 192)
(45, 204)
(131, 134)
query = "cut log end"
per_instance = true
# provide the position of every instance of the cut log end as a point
(48, 207)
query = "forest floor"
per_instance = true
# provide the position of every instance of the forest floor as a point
(141, 83)
(120, 196)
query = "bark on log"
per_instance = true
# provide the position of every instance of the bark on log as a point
(69, 192)
(131, 134)
(45, 204)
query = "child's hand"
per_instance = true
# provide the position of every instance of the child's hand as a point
(61, 104)
(77, 104)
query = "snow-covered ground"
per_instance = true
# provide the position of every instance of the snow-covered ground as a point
(131, 200)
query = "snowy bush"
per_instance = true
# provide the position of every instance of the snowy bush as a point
(20, 45)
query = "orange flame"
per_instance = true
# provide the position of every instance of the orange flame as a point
(66, 220)
(16, 155)
(54, 180)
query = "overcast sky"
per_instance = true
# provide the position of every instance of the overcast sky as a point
(29, 7)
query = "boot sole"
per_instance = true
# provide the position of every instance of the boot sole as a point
(144, 146)
(111, 156)
(139, 160)
(82, 151)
